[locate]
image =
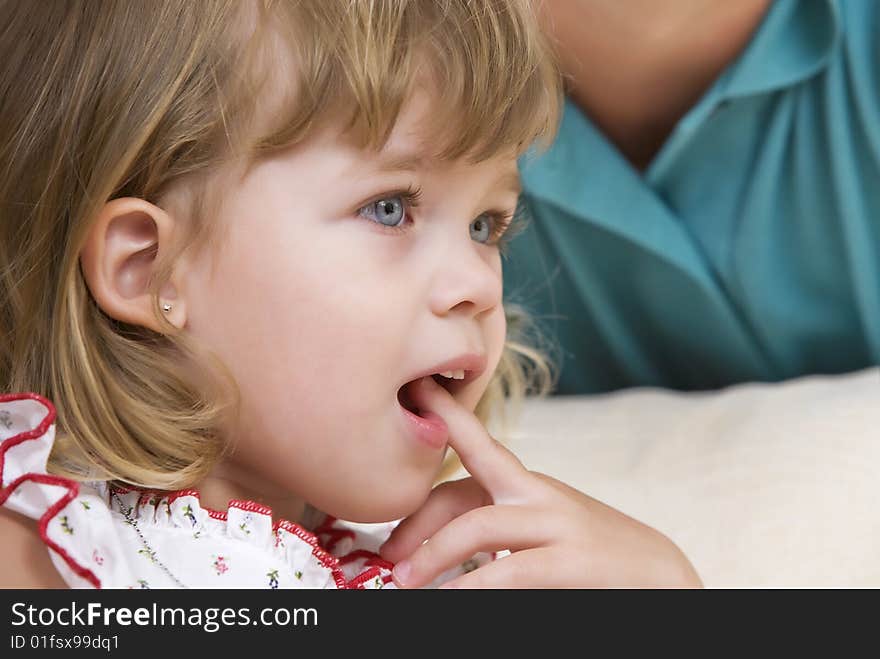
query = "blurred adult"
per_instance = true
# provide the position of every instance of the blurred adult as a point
(710, 210)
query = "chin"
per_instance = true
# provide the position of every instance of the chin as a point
(386, 507)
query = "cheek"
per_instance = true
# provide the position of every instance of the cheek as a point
(494, 332)
(292, 313)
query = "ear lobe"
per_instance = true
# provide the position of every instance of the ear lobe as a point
(120, 257)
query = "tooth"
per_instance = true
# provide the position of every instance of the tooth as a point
(453, 375)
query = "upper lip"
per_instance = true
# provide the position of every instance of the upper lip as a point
(473, 364)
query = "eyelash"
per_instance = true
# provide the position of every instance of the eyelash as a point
(504, 224)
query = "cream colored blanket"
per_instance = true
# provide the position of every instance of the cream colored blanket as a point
(760, 485)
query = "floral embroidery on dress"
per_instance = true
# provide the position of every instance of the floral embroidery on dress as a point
(273, 579)
(148, 553)
(85, 505)
(244, 526)
(220, 566)
(5, 419)
(188, 513)
(97, 558)
(65, 525)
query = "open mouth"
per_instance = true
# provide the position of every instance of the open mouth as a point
(448, 383)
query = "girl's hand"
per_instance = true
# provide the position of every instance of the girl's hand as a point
(558, 536)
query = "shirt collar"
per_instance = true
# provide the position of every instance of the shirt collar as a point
(794, 42)
(583, 175)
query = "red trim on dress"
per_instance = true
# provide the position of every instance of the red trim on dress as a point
(251, 507)
(326, 559)
(372, 559)
(39, 431)
(46, 479)
(173, 496)
(333, 534)
(359, 581)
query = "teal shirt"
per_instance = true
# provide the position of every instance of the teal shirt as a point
(749, 249)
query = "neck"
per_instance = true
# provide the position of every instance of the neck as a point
(228, 481)
(636, 67)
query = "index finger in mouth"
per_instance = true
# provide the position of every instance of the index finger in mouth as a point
(493, 465)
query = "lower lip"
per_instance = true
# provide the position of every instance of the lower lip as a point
(430, 429)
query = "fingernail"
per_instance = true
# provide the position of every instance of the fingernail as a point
(402, 572)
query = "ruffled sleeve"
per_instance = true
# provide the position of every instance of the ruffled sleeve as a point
(71, 517)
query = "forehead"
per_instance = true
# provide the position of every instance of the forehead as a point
(417, 140)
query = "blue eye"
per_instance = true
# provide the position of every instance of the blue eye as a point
(388, 212)
(481, 228)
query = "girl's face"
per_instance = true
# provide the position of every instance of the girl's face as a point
(333, 290)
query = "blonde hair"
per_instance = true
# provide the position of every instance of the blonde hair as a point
(101, 99)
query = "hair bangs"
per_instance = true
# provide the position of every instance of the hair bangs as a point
(486, 67)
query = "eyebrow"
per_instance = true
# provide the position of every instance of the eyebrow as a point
(397, 162)
(508, 182)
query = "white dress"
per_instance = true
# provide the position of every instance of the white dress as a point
(105, 537)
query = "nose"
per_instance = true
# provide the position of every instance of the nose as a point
(468, 283)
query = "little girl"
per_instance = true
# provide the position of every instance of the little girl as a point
(250, 257)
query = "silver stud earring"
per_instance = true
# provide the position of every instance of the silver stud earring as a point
(166, 307)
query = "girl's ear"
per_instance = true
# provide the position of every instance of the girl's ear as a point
(120, 257)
